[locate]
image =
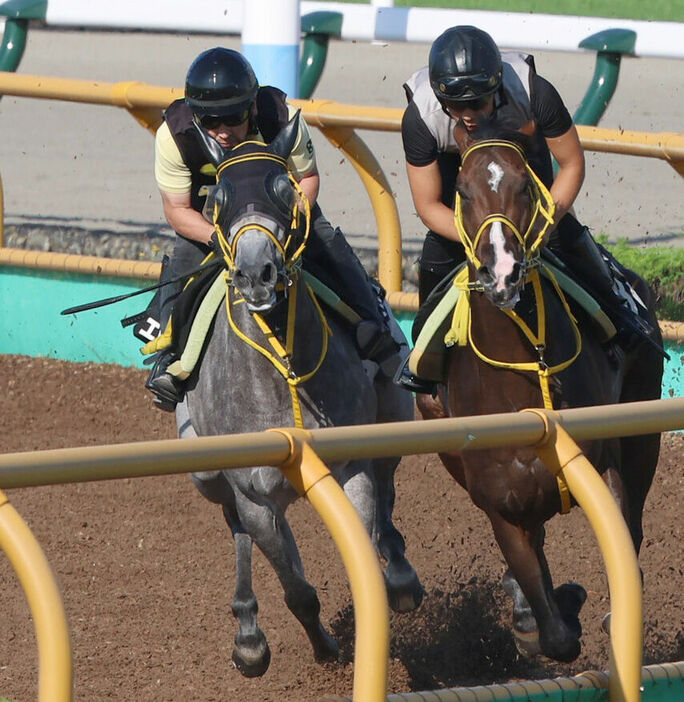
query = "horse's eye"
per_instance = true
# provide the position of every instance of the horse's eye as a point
(462, 193)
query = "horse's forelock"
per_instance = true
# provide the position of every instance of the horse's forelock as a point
(490, 129)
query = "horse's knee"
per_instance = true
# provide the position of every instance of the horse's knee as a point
(211, 484)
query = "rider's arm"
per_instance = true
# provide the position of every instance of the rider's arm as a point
(175, 181)
(568, 152)
(310, 184)
(302, 161)
(424, 176)
(426, 189)
(185, 220)
(555, 123)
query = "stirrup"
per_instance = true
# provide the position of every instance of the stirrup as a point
(405, 379)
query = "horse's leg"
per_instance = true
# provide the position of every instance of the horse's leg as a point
(267, 525)
(529, 571)
(404, 590)
(251, 654)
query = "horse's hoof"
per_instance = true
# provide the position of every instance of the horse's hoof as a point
(252, 667)
(570, 597)
(404, 591)
(605, 624)
(325, 648)
(527, 643)
(251, 654)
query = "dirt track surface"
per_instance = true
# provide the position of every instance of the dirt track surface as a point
(146, 568)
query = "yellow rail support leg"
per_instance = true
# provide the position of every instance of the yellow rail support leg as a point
(45, 602)
(562, 455)
(311, 478)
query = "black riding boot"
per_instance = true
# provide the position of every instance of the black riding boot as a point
(589, 263)
(438, 265)
(187, 255)
(169, 391)
(329, 251)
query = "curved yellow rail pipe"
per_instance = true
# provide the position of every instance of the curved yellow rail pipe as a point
(562, 455)
(34, 573)
(382, 200)
(310, 476)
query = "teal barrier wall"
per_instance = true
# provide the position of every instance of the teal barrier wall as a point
(31, 324)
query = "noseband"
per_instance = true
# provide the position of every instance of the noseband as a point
(542, 205)
(229, 243)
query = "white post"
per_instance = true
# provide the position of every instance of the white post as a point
(270, 42)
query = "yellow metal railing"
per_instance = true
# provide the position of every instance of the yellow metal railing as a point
(300, 455)
(338, 122)
(45, 602)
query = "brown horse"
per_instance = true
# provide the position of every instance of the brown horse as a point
(523, 348)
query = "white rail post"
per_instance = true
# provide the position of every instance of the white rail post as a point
(270, 42)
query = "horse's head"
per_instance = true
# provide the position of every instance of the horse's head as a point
(254, 207)
(502, 213)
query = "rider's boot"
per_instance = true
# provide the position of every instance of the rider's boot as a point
(431, 288)
(168, 390)
(612, 294)
(373, 335)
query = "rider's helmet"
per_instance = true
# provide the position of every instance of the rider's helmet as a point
(221, 83)
(464, 64)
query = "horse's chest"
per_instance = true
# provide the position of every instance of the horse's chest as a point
(512, 482)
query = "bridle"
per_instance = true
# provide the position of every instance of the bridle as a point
(229, 243)
(542, 205)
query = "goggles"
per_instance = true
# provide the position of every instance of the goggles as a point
(464, 87)
(230, 120)
(474, 104)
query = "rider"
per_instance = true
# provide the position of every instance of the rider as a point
(466, 82)
(222, 96)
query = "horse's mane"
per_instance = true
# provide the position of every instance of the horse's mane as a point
(490, 129)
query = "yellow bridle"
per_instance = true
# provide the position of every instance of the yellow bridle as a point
(229, 248)
(543, 205)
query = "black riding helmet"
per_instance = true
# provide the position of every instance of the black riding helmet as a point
(464, 64)
(221, 83)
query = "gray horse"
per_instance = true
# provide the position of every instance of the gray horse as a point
(239, 389)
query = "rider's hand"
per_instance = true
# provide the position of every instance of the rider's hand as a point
(216, 246)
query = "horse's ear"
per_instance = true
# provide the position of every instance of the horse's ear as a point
(213, 150)
(285, 140)
(463, 139)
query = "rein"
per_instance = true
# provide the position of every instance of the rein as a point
(280, 356)
(543, 205)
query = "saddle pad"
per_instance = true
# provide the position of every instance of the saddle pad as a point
(199, 329)
(428, 356)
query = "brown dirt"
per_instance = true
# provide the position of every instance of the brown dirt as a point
(146, 568)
